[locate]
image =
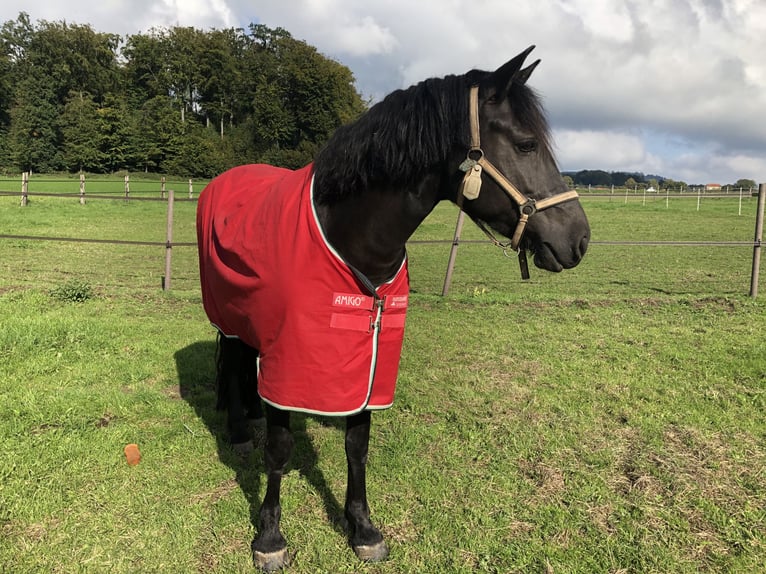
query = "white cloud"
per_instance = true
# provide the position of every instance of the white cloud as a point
(337, 27)
(365, 37)
(202, 14)
(601, 18)
(615, 151)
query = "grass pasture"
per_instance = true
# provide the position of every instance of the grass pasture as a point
(605, 419)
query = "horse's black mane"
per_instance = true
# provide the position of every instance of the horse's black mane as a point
(409, 132)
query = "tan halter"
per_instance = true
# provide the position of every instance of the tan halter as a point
(473, 166)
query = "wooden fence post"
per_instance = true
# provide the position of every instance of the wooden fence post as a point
(82, 189)
(740, 201)
(127, 187)
(453, 253)
(162, 187)
(191, 189)
(757, 242)
(168, 243)
(24, 188)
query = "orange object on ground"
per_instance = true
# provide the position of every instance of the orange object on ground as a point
(132, 454)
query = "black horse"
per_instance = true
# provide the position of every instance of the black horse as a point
(480, 140)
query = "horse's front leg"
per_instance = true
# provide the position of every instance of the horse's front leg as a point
(366, 540)
(269, 547)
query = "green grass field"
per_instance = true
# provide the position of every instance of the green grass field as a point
(605, 419)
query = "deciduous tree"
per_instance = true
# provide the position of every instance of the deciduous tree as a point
(80, 130)
(176, 99)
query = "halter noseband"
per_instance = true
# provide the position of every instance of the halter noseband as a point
(473, 166)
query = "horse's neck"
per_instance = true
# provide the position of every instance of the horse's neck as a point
(371, 229)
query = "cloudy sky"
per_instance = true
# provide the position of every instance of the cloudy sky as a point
(669, 87)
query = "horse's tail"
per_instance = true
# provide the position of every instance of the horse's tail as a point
(237, 385)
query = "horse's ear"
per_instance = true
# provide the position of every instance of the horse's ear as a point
(502, 78)
(523, 75)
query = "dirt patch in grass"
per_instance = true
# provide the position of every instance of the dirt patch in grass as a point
(721, 303)
(9, 289)
(219, 492)
(685, 487)
(213, 549)
(27, 536)
(105, 420)
(403, 532)
(632, 472)
(547, 480)
(45, 427)
(172, 392)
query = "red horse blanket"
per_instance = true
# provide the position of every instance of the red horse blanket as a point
(327, 344)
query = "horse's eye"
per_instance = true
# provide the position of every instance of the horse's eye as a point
(528, 146)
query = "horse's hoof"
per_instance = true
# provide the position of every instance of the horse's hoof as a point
(243, 449)
(374, 553)
(271, 561)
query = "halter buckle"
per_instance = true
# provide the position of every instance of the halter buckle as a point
(472, 158)
(529, 207)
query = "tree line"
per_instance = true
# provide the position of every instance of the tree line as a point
(180, 100)
(600, 178)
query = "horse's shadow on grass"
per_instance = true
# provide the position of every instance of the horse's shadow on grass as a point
(195, 365)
